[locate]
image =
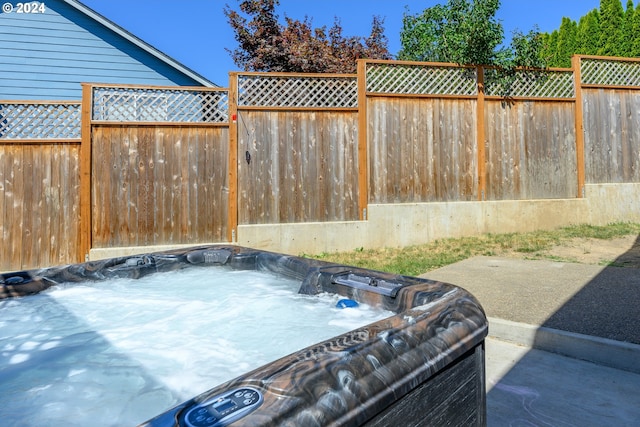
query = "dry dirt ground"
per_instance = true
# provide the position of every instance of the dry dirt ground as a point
(622, 252)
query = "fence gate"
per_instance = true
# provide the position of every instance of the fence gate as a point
(159, 166)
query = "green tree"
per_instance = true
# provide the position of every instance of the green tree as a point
(526, 50)
(462, 32)
(264, 44)
(549, 52)
(627, 35)
(467, 32)
(611, 18)
(566, 45)
(588, 37)
(608, 31)
(636, 31)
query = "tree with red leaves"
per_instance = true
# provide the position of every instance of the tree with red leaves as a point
(264, 44)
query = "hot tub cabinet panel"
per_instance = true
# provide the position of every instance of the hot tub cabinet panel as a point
(454, 396)
(422, 366)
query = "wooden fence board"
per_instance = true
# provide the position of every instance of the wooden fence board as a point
(422, 150)
(612, 135)
(631, 134)
(65, 236)
(303, 166)
(197, 166)
(56, 193)
(176, 188)
(4, 223)
(15, 205)
(218, 171)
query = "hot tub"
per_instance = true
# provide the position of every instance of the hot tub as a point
(423, 365)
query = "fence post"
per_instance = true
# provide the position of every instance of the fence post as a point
(363, 159)
(232, 221)
(480, 136)
(85, 173)
(579, 122)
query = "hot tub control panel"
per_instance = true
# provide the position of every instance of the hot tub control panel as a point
(224, 409)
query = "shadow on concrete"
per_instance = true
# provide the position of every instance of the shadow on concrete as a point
(536, 388)
(587, 311)
(608, 306)
(529, 387)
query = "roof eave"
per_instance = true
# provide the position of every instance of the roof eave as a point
(139, 42)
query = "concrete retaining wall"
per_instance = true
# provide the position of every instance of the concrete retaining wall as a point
(419, 223)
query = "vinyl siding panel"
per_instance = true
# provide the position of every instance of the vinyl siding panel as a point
(47, 56)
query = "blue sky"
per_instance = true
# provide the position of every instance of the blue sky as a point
(196, 32)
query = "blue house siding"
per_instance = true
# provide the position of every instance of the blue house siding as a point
(47, 56)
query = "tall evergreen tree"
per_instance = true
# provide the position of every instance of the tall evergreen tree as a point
(608, 31)
(566, 45)
(588, 36)
(611, 18)
(636, 32)
(627, 36)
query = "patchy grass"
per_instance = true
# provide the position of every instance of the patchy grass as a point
(416, 260)
(611, 231)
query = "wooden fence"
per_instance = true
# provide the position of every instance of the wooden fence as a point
(424, 131)
(159, 166)
(297, 138)
(611, 120)
(140, 166)
(39, 183)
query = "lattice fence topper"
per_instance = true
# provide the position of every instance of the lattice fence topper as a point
(529, 84)
(610, 73)
(420, 79)
(297, 91)
(39, 121)
(119, 104)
